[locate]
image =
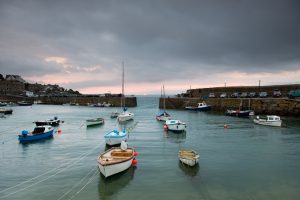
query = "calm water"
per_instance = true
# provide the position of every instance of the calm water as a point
(245, 161)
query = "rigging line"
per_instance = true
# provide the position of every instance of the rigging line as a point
(92, 170)
(89, 181)
(62, 165)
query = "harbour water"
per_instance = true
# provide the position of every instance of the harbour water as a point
(244, 161)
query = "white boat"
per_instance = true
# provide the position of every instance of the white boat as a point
(94, 122)
(115, 160)
(175, 125)
(116, 137)
(163, 115)
(125, 115)
(269, 120)
(188, 157)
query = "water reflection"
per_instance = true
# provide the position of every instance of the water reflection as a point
(189, 171)
(175, 137)
(108, 187)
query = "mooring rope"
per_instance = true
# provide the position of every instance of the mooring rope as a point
(80, 158)
(88, 174)
(88, 182)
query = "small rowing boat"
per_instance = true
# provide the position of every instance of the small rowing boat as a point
(188, 157)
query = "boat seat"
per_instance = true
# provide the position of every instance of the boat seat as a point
(121, 154)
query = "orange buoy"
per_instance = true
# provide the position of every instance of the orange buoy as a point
(225, 125)
(165, 127)
(136, 153)
(59, 131)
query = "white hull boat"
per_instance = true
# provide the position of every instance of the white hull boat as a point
(188, 157)
(115, 160)
(269, 120)
(125, 116)
(163, 118)
(116, 137)
(175, 125)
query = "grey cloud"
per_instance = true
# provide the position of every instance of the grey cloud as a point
(158, 40)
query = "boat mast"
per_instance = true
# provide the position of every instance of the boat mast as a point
(123, 96)
(164, 96)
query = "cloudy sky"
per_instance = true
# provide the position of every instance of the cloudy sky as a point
(80, 44)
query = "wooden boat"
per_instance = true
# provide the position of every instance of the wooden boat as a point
(39, 132)
(269, 120)
(239, 113)
(188, 157)
(52, 122)
(175, 125)
(116, 137)
(115, 160)
(201, 107)
(94, 122)
(6, 111)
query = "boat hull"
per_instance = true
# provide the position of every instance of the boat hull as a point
(163, 118)
(236, 113)
(50, 122)
(94, 122)
(189, 162)
(206, 108)
(125, 117)
(110, 164)
(41, 136)
(176, 127)
(188, 157)
(267, 123)
(112, 138)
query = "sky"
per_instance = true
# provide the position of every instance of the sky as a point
(182, 44)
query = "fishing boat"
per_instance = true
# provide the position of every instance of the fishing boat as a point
(163, 115)
(116, 137)
(38, 133)
(188, 157)
(175, 125)
(115, 160)
(201, 107)
(94, 122)
(125, 115)
(51, 122)
(269, 120)
(239, 113)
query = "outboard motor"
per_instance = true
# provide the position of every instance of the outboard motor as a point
(25, 132)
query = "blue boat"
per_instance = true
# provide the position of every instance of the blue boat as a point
(39, 132)
(201, 107)
(116, 137)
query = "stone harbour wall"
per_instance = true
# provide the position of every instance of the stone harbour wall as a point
(276, 106)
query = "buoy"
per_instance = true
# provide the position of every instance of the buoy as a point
(136, 153)
(134, 161)
(225, 125)
(165, 127)
(59, 131)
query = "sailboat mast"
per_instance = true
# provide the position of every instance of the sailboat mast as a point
(123, 96)
(164, 97)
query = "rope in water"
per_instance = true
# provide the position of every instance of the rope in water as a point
(88, 182)
(76, 185)
(59, 171)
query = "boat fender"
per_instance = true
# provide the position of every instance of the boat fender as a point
(136, 153)
(134, 162)
(123, 145)
(165, 127)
